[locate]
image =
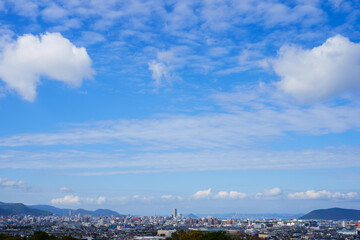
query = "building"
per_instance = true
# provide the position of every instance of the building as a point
(165, 233)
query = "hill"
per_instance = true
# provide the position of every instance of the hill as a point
(191, 215)
(66, 211)
(7, 209)
(333, 214)
(53, 210)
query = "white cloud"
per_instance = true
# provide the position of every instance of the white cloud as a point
(167, 197)
(4, 182)
(323, 194)
(319, 73)
(230, 195)
(25, 8)
(202, 194)
(73, 199)
(65, 189)
(269, 193)
(198, 139)
(68, 199)
(119, 163)
(6, 37)
(54, 12)
(51, 55)
(88, 38)
(213, 130)
(142, 198)
(159, 71)
(99, 200)
(163, 67)
(172, 197)
(272, 192)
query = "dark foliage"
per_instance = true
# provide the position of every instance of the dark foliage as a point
(38, 235)
(198, 235)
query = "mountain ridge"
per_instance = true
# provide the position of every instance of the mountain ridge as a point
(333, 214)
(7, 209)
(66, 211)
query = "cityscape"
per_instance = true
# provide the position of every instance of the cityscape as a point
(89, 227)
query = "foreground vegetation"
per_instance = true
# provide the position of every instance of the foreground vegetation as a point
(199, 235)
(38, 235)
(178, 235)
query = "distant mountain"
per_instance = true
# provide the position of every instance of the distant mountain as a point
(53, 210)
(7, 209)
(106, 212)
(333, 214)
(192, 216)
(66, 212)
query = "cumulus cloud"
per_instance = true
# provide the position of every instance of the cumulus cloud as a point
(73, 199)
(230, 195)
(68, 199)
(101, 200)
(269, 193)
(323, 194)
(202, 194)
(5, 183)
(49, 55)
(321, 72)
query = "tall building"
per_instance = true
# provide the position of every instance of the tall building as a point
(175, 213)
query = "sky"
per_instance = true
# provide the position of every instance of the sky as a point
(207, 106)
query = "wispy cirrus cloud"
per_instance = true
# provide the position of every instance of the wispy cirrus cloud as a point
(118, 163)
(212, 130)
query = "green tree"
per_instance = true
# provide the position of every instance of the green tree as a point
(40, 235)
(8, 237)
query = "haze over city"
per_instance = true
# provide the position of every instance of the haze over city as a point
(210, 106)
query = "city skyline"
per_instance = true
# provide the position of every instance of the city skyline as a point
(209, 106)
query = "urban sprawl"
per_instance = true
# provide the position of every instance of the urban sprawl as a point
(159, 227)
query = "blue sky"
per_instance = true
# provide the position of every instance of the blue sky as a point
(208, 106)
